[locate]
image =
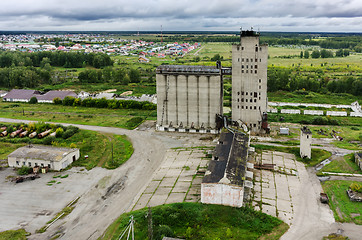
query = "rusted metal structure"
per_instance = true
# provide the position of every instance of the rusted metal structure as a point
(16, 133)
(44, 134)
(23, 134)
(33, 135)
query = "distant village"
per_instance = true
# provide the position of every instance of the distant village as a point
(94, 44)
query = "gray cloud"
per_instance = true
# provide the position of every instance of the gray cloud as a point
(178, 15)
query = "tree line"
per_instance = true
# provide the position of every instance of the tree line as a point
(324, 53)
(105, 103)
(55, 59)
(283, 78)
(108, 74)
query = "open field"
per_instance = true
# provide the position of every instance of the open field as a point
(344, 210)
(77, 115)
(13, 235)
(199, 221)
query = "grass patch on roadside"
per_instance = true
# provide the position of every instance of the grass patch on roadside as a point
(344, 164)
(343, 209)
(199, 221)
(318, 155)
(19, 234)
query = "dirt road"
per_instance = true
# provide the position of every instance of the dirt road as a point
(100, 206)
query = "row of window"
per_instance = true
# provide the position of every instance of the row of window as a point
(251, 71)
(247, 60)
(251, 66)
(249, 107)
(246, 100)
(29, 164)
(251, 93)
(242, 48)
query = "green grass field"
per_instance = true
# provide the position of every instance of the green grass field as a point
(200, 221)
(76, 115)
(340, 204)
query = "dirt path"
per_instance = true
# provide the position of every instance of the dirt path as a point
(99, 207)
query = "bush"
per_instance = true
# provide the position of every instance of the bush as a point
(59, 132)
(24, 170)
(48, 140)
(134, 122)
(57, 101)
(33, 100)
(163, 231)
(356, 187)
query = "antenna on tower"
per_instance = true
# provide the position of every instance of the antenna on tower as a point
(161, 35)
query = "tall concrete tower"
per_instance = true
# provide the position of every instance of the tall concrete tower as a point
(249, 80)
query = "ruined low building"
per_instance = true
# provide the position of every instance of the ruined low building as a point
(305, 143)
(226, 181)
(358, 159)
(53, 158)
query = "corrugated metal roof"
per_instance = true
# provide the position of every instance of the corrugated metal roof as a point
(21, 94)
(42, 152)
(56, 94)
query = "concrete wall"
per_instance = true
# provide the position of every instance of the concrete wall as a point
(336, 113)
(313, 112)
(222, 194)
(54, 165)
(186, 100)
(305, 145)
(249, 81)
(290, 111)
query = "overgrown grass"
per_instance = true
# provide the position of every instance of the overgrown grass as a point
(199, 221)
(312, 97)
(19, 234)
(7, 148)
(339, 202)
(318, 155)
(76, 115)
(96, 145)
(344, 164)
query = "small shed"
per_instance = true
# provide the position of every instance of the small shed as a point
(54, 158)
(284, 131)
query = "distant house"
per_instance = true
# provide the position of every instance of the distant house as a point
(49, 96)
(43, 156)
(20, 95)
(225, 182)
(143, 59)
(3, 93)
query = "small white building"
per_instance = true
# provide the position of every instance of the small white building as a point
(54, 158)
(305, 143)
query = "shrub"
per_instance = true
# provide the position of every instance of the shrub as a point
(59, 132)
(48, 140)
(33, 100)
(163, 231)
(24, 170)
(57, 101)
(134, 122)
(356, 187)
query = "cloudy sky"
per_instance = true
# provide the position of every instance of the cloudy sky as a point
(183, 15)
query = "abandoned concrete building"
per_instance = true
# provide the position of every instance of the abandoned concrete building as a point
(305, 143)
(43, 156)
(249, 80)
(190, 97)
(227, 181)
